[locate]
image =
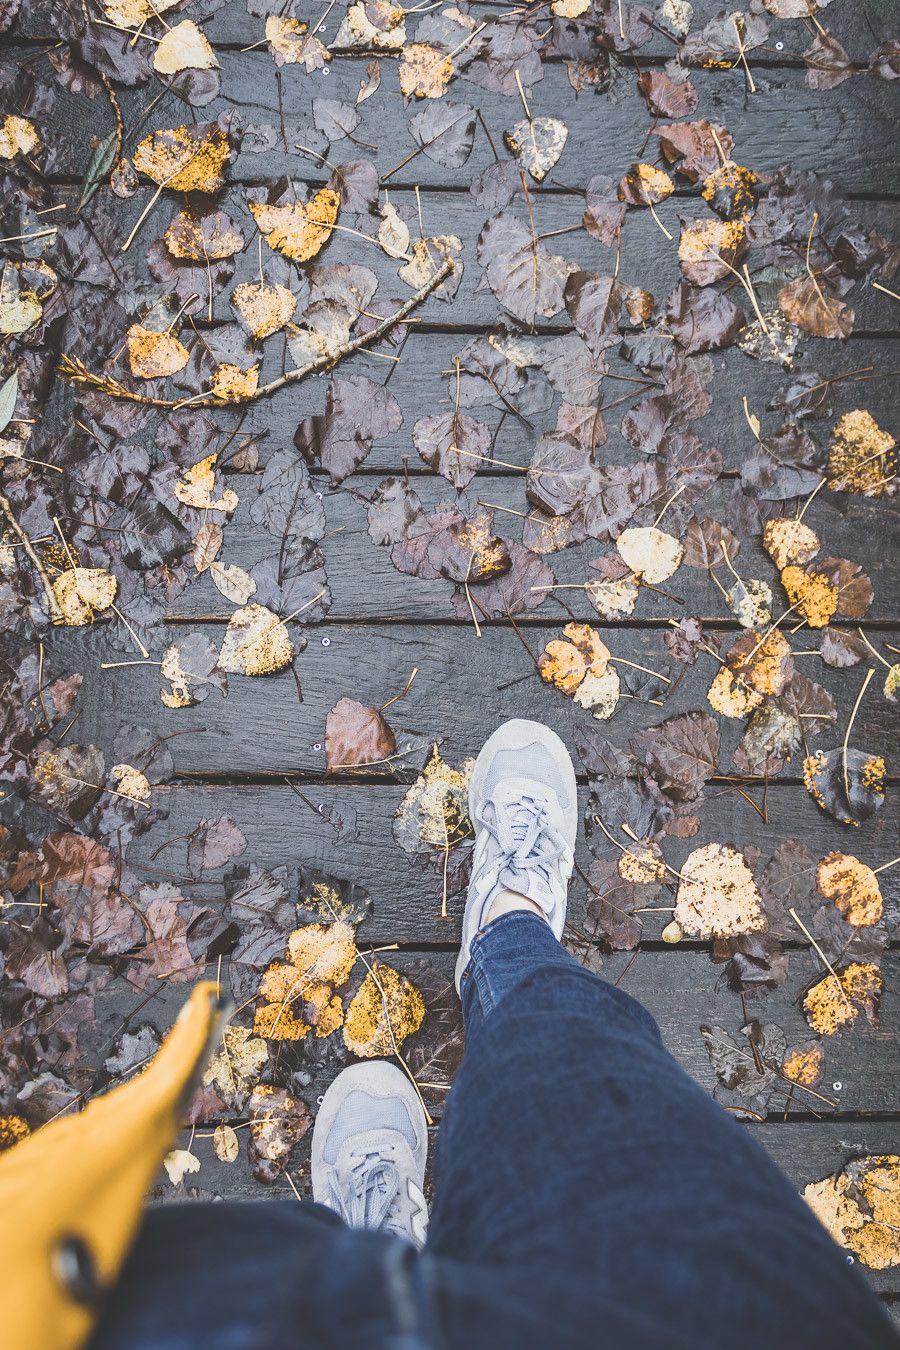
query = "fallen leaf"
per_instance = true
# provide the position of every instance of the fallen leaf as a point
(197, 485)
(813, 595)
(860, 1208)
(853, 887)
(298, 229)
(651, 554)
(263, 308)
(425, 71)
(386, 1009)
(645, 185)
(225, 1144)
(862, 457)
(299, 994)
(202, 237)
(256, 642)
(453, 444)
(434, 814)
(566, 661)
(291, 43)
(717, 896)
(135, 13)
(233, 582)
(153, 355)
(804, 1064)
(836, 1001)
(355, 735)
(789, 542)
(599, 693)
(185, 159)
(235, 1067)
(278, 1122)
(179, 1163)
(130, 782)
(804, 302)
(709, 249)
(537, 143)
(189, 664)
(18, 137)
(823, 778)
(184, 47)
(82, 592)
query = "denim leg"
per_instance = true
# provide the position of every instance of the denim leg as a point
(574, 1146)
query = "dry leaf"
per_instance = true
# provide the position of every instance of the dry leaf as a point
(184, 47)
(425, 71)
(789, 541)
(651, 554)
(386, 1009)
(835, 1002)
(256, 642)
(179, 1163)
(813, 594)
(82, 592)
(225, 1144)
(298, 229)
(153, 355)
(717, 896)
(233, 582)
(299, 993)
(18, 136)
(860, 1207)
(537, 143)
(862, 457)
(196, 487)
(853, 887)
(20, 307)
(262, 307)
(235, 1067)
(185, 159)
(356, 734)
(566, 661)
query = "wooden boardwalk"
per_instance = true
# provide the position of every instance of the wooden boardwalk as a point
(256, 756)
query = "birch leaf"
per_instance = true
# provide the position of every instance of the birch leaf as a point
(82, 592)
(256, 642)
(650, 553)
(298, 229)
(384, 1011)
(233, 582)
(184, 47)
(717, 896)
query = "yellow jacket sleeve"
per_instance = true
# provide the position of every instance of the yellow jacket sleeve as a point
(71, 1194)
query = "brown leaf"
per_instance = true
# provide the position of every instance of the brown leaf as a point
(355, 735)
(807, 304)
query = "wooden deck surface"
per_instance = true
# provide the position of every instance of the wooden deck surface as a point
(256, 755)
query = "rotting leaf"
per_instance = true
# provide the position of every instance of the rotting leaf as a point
(717, 896)
(263, 307)
(235, 1067)
(837, 1000)
(83, 592)
(184, 47)
(860, 1208)
(186, 158)
(862, 457)
(537, 143)
(256, 642)
(824, 780)
(153, 355)
(852, 886)
(386, 1009)
(789, 542)
(197, 486)
(278, 1121)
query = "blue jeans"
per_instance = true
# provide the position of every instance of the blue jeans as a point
(588, 1193)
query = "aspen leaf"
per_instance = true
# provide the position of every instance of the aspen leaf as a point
(824, 780)
(837, 1000)
(386, 1009)
(130, 782)
(750, 601)
(207, 544)
(233, 582)
(789, 542)
(179, 1163)
(184, 47)
(263, 307)
(197, 486)
(20, 307)
(185, 159)
(651, 554)
(135, 13)
(355, 735)
(860, 1207)
(298, 229)
(197, 237)
(235, 1067)
(731, 696)
(566, 661)
(717, 896)
(256, 642)
(153, 355)
(298, 994)
(434, 814)
(225, 1144)
(278, 1121)
(804, 1064)
(853, 887)
(537, 143)
(18, 137)
(233, 384)
(425, 71)
(599, 693)
(293, 44)
(373, 23)
(393, 232)
(813, 594)
(862, 457)
(82, 592)
(645, 185)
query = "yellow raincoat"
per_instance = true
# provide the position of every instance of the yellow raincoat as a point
(71, 1194)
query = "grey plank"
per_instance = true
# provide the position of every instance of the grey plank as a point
(406, 890)
(849, 136)
(849, 527)
(465, 686)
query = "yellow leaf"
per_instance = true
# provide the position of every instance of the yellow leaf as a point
(184, 47)
(135, 13)
(185, 159)
(179, 1163)
(256, 642)
(566, 663)
(131, 783)
(814, 595)
(153, 355)
(263, 308)
(290, 40)
(18, 137)
(804, 1065)
(82, 592)
(860, 1207)
(225, 1143)
(852, 886)
(203, 238)
(835, 1002)
(862, 458)
(384, 1011)
(435, 810)
(235, 1067)
(789, 541)
(651, 554)
(196, 488)
(233, 384)
(299, 994)
(425, 71)
(730, 696)
(298, 229)
(717, 896)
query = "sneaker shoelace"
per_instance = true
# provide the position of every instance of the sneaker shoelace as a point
(370, 1198)
(525, 838)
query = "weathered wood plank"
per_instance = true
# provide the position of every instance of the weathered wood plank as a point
(849, 135)
(804, 1151)
(648, 258)
(231, 25)
(849, 527)
(346, 831)
(682, 989)
(464, 688)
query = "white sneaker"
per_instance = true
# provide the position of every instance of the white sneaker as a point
(524, 810)
(369, 1146)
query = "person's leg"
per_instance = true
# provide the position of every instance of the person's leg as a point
(573, 1145)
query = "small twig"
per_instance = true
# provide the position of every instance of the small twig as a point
(403, 692)
(6, 508)
(830, 968)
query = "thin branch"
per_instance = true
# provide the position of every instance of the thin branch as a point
(6, 508)
(78, 373)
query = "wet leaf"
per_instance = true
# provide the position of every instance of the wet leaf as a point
(825, 780)
(198, 237)
(355, 735)
(298, 230)
(565, 662)
(525, 277)
(153, 355)
(453, 444)
(83, 592)
(789, 542)
(852, 886)
(807, 304)
(717, 896)
(434, 814)
(385, 1010)
(537, 143)
(256, 642)
(184, 47)
(425, 71)
(862, 457)
(263, 308)
(859, 1207)
(279, 1122)
(837, 1000)
(185, 159)
(299, 994)
(236, 1066)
